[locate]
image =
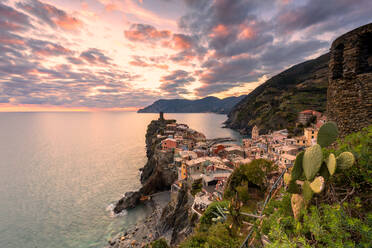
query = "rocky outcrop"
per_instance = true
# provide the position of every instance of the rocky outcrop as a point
(349, 101)
(130, 200)
(176, 222)
(275, 104)
(153, 147)
(156, 175)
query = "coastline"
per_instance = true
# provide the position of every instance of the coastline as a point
(157, 176)
(173, 216)
(144, 231)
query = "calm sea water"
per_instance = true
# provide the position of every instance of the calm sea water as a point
(59, 172)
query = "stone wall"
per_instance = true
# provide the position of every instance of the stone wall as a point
(349, 96)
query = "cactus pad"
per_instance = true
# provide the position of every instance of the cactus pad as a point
(313, 158)
(331, 164)
(307, 192)
(297, 168)
(327, 134)
(297, 203)
(345, 160)
(317, 185)
(324, 171)
(293, 187)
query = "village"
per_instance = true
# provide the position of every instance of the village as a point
(206, 166)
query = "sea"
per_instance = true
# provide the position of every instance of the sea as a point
(61, 173)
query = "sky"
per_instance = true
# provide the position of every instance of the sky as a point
(77, 55)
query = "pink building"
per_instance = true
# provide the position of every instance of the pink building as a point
(168, 144)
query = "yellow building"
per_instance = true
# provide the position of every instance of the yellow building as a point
(301, 141)
(183, 171)
(311, 135)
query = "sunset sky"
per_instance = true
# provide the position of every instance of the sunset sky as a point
(125, 54)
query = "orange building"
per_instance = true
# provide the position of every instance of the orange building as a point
(168, 144)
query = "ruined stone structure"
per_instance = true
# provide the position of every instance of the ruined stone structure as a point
(255, 132)
(349, 97)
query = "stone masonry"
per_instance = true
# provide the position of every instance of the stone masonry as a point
(349, 96)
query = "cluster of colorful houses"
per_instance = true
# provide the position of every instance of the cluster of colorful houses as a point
(201, 163)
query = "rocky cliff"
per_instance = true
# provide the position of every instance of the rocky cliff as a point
(274, 104)
(156, 175)
(176, 221)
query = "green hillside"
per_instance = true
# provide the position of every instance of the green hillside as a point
(275, 104)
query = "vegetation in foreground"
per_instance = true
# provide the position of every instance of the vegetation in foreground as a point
(335, 211)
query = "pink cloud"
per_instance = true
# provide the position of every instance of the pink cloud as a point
(181, 42)
(145, 33)
(219, 31)
(68, 23)
(247, 33)
(139, 62)
(51, 15)
(11, 41)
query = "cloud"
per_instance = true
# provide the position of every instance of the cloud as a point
(51, 15)
(145, 33)
(175, 83)
(4, 99)
(322, 13)
(139, 61)
(76, 61)
(46, 48)
(219, 45)
(246, 39)
(95, 56)
(13, 20)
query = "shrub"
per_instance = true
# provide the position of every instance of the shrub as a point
(197, 240)
(196, 187)
(160, 243)
(208, 214)
(219, 236)
(255, 174)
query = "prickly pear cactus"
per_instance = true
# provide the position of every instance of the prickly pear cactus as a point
(313, 158)
(307, 192)
(293, 187)
(345, 160)
(331, 164)
(327, 134)
(317, 185)
(297, 168)
(297, 203)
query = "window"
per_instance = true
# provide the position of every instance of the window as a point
(365, 51)
(312, 137)
(312, 132)
(338, 60)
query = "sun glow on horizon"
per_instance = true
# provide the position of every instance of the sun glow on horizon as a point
(41, 108)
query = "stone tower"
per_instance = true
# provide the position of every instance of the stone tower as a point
(255, 132)
(161, 116)
(349, 96)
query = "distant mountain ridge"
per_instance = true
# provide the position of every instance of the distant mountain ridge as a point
(275, 104)
(204, 105)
